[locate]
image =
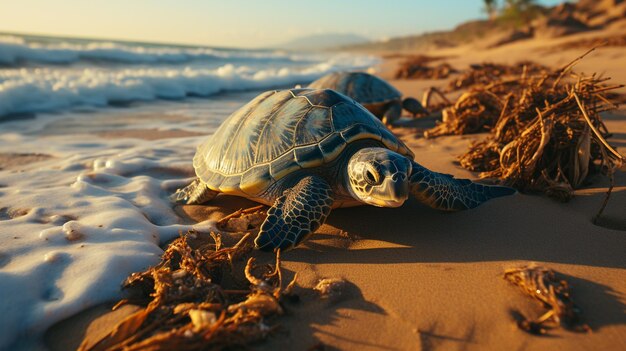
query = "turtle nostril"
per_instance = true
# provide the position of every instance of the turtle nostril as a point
(398, 177)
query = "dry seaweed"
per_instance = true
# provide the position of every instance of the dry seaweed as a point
(555, 295)
(546, 131)
(200, 297)
(474, 111)
(486, 73)
(418, 67)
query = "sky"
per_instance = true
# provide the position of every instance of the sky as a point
(233, 23)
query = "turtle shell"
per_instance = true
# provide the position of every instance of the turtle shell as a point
(362, 87)
(280, 132)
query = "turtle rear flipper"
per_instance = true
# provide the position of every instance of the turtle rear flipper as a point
(193, 194)
(444, 192)
(300, 211)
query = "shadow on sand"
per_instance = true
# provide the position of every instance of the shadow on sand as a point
(299, 325)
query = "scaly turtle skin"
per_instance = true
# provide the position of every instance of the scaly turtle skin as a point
(305, 151)
(375, 94)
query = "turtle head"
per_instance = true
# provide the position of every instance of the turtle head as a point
(379, 177)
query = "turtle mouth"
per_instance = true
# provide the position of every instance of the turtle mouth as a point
(390, 194)
(385, 203)
(391, 203)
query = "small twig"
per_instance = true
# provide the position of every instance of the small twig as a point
(603, 98)
(278, 272)
(428, 94)
(570, 65)
(248, 273)
(607, 196)
(237, 213)
(611, 87)
(619, 157)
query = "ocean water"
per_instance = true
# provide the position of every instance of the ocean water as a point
(75, 224)
(55, 74)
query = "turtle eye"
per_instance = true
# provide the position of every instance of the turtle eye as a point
(371, 176)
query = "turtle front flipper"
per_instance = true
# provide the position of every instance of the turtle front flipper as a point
(444, 192)
(300, 211)
(193, 194)
(393, 113)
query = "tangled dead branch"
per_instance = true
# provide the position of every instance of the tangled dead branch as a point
(201, 297)
(546, 131)
(555, 295)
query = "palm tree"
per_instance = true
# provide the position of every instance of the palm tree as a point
(521, 11)
(491, 8)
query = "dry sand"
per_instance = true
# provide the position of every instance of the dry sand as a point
(426, 280)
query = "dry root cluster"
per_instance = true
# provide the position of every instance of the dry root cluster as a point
(546, 131)
(555, 295)
(201, 297)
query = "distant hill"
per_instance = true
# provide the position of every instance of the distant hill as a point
(548, 22)
(461, 34)
(323, 41)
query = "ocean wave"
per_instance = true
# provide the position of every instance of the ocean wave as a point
(46, 89)
(16, 51)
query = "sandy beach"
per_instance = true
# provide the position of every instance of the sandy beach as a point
(425, 280)
(86, 202)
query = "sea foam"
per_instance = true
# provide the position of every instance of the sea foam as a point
(75, 226)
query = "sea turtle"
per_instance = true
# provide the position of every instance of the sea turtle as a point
(305, 151)
(375, 94)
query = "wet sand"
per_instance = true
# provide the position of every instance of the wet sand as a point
(15, 161)
(146, 134)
